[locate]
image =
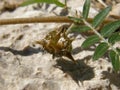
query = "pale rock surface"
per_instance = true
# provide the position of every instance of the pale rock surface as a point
(25, 66)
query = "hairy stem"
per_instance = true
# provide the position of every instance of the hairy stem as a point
(50, 19)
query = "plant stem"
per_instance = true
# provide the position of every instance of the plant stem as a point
(50, 19)
(69, 29)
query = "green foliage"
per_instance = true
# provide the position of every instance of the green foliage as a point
(108, 29)
(107, 33)
(76, 20)
(115, 37)
(90, 41)
(80, 28)
(98, 19)
(28, 2)
(118, 50)
(100, 50)
(86, 9)
(115, 59)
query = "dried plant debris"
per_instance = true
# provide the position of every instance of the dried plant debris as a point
(100, 4)
(9, 5)
(58, 43)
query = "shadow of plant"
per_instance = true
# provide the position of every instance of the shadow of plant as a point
(113, 77)
(78, 72)
(79, 49)
(25, 52)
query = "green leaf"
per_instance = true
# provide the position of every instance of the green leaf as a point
(108, 29)
(118, 50)
(115, 60)
(86, 9)
(28, 2)
(76, 20)
(78, 28)
(114, 38)
(90, 41)
(100, 50)
(100, 17)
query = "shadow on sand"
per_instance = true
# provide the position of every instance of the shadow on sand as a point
(25, 52)
(113, 77)
(78, 72)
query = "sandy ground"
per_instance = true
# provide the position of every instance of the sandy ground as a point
(26, 66)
